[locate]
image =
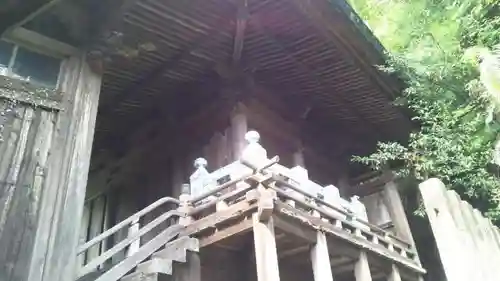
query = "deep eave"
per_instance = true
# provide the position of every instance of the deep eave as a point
(165, 59)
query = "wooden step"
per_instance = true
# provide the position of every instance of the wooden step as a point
(176, 250)
(156, 265)
(139, 276)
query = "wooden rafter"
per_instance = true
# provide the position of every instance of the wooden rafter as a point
(158, 71)
(314, 76)
(241, 24)
(317, 12)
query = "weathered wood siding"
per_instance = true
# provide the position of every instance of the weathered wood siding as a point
(44, 161)
(24, 153)
(467, 242)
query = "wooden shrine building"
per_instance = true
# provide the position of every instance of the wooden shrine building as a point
(105, 105)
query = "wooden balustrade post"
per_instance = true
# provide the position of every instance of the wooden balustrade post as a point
(320, 258)
(133, 230)
(185, 206)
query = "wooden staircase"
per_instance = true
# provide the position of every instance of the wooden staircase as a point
(162, 264)
(152, 260)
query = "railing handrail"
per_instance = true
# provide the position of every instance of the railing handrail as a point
(126, 222)
(92, 265)
(218, 188)
(372, 227)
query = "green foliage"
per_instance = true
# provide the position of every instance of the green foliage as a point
(426, 40)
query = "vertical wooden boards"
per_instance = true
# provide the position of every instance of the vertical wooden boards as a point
(467, 243)
(24, 151)
(266, 256)
(362, 268)
(61, 205)
(320, 258)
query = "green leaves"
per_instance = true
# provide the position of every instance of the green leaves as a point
(427, 40)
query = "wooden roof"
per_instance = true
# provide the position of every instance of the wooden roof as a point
(166, 58)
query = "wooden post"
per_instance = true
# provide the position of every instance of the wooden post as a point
(266, 256)
(239, 127)
(96, 225)
(394, 205)
(133, 230)
(298, 157)
(322, 269)
(394, 275)
(362, 268)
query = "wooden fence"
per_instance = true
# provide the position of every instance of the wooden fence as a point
(468, 243)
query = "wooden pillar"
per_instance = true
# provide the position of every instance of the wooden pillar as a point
(239, 127)
(322, 269)
(298, 157)
(394, 275)
(266, 256)
(39, 243)
(394, 205)
(362, 268)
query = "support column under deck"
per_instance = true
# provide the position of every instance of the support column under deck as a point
(266, 255)
(320, 258)
(362, 268)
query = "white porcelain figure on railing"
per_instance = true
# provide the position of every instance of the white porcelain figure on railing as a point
(200, 178)
(254, 153)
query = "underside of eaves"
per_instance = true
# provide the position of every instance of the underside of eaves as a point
(170, 59)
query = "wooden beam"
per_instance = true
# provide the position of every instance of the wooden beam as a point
(44, 6)
(362, 268)
(320, 258)
(40, 43)
(238, 229)
(241, 24)
(266, 254)
(358, 242)
(294, 229)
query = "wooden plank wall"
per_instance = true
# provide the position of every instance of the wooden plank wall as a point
(468, 243)
(24, 153)
(44, 161)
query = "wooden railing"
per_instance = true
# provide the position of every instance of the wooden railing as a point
(227, 185)
(245, 179)
(131, 242)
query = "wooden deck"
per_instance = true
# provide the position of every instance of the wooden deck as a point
(228, 222)
(295, 234)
